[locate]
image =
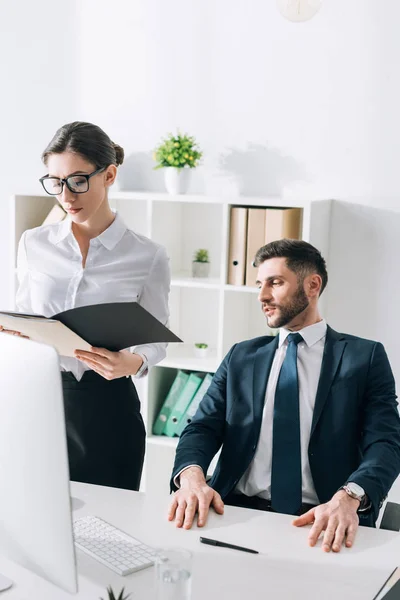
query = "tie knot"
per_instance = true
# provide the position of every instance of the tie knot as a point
(295, 338)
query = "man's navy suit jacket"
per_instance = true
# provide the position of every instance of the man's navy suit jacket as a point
(355, 433)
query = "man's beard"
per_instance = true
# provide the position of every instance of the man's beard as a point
(297, 304)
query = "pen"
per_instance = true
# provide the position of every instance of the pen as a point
(210, 542)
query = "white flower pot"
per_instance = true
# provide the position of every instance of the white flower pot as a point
(176, 180)
(200, 352)
(200, 269)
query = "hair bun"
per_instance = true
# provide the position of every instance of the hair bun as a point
(119, 154)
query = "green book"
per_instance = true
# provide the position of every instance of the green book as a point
(194, 404)
(179, 409)
(169, 402)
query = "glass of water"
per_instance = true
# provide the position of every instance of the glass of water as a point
(173, 574)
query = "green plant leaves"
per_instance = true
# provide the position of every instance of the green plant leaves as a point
(111, 595)
(201, 256)
(177, 151)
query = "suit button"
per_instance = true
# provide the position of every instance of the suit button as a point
(311, 454)
(254, 447)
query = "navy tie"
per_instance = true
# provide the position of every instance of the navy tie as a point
(286, 456)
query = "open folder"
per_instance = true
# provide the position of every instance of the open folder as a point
(113, 326)
(391, 588)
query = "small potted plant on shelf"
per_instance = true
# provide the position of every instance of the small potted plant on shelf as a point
(112, 596)
(201, 263)
(177, 154)
(201, 350)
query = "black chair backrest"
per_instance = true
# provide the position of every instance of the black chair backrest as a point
(391, 517)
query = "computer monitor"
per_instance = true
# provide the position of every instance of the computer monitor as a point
(35, 509)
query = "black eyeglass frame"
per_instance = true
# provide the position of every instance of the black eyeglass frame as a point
(62, 181)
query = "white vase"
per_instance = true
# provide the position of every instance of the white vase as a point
(200, 269)
(176, 180)
(200, 352)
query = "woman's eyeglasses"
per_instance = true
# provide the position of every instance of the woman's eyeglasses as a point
(77, 184)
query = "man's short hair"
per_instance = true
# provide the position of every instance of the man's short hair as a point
(301, 258)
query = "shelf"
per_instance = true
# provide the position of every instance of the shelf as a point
(241, 288)
(164, 197)
(207, 310)
(184, 227)
(212, 283)
(182, 357)
(162, 440)
(194, 314)
(274, 201)
(184, 280)
(252, 322)
(134, 214)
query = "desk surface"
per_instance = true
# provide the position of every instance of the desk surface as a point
(286, 567)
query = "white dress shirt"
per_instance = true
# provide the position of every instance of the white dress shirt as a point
(257, 479)
(121, 266)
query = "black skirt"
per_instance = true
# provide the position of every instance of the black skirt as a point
(105, 430)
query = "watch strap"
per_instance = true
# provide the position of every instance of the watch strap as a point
(352, 494)
(365, 504)
(143, 367)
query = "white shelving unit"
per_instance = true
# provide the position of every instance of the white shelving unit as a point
(202, 310)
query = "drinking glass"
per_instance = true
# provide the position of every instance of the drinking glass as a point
(173, 574)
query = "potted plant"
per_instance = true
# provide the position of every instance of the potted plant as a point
(201, 350)
(177, 154)
(201, 263)
(112, 596)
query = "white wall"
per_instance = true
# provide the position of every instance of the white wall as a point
(279, 108)
(38, 94)
(284, 102)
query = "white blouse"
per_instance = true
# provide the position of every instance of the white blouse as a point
(121, 266)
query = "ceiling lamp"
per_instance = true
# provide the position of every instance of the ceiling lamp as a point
(298, 10)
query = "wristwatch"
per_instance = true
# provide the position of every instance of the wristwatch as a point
(355, 491)
(143, 367)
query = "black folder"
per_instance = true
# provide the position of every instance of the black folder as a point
(115, 326)
(391, 588)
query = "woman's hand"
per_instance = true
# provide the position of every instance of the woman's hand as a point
(13, 332)
(111, 365)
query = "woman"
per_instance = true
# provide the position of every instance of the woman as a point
(92, 257)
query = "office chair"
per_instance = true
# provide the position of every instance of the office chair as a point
(391, 517)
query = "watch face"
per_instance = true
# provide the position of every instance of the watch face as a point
(356, 489)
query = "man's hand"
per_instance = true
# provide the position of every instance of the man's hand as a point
(111, 365)
(193, 496)
(338, 518)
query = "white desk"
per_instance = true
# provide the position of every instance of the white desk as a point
(286, 568)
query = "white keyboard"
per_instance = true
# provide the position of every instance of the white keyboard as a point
(111, 546)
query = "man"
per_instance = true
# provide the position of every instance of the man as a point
(307, 420)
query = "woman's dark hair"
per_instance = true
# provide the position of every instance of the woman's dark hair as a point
(301, 258)
(87, 140)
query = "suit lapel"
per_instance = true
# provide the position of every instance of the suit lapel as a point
(262, 368)
(333, 351)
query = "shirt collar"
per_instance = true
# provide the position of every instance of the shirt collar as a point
(113, 234)
(62, 231)
(109, 238)
(311, 334)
